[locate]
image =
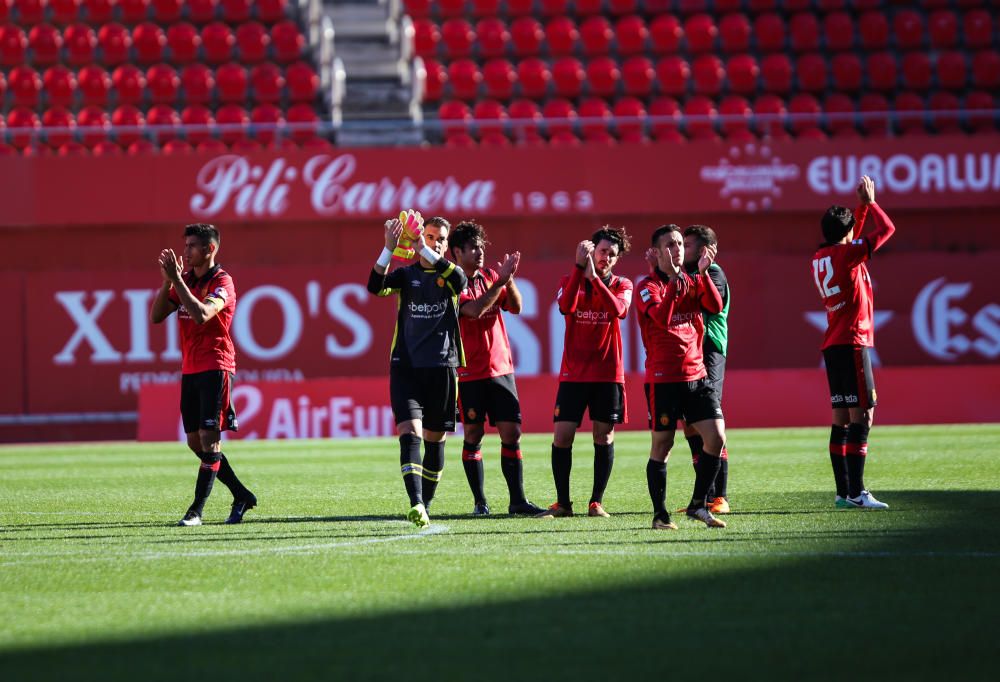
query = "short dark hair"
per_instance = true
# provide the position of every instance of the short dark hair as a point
(662, 230)
(615, 235)
(438, 221)
(836, 222)
(204, 232)
(465, 233)
(703, 233)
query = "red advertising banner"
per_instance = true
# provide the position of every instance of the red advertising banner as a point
(89, 345)
(347, 408)
(12, 348)
(344, 185)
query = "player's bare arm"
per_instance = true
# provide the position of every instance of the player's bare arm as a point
(162, 305)
(514, 300)
(200, 311)
(505, 271)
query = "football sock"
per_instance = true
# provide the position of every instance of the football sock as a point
(433, 467)
(604, 461)
(857, 451)
(656, 481)
(207, 471)
(472, 462)
(411, 466)
(708, 467)
(512, 466)
(562, 464)
(696, 445)
(719, 487)
(838, 457)
(229, 479)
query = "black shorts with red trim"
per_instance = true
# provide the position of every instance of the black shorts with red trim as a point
(426, 393)
(604, 400)
(692, 401)
(495, 397)
(849, 374)
(206, 402)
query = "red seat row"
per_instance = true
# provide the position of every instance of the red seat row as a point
(143, 146)
(515, 8)
(148, 43)
(98, 12)
(161, 84)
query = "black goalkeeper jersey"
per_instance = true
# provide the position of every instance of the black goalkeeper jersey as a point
(426, 333)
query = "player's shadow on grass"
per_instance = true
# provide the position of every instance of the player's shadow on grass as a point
(896, 606)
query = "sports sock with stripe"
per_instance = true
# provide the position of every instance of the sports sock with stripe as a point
(472, 462)
(411, 466)
(512, 466)
(838, 457)
(857, 452)
(433, 467)
(207, 471)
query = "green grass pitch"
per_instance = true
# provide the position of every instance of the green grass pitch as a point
(324, 581)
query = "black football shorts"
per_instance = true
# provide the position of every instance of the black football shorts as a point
(692, 401)
(426, 393)
(495, 397)
(206, 402)
(849, 374)
(605, 401)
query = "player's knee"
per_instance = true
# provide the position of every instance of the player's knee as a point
(509, 432)
(474, 433)
(210, 441)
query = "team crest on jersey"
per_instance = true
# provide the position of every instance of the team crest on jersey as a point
(555, 413)
(440, 281)
(471, 413)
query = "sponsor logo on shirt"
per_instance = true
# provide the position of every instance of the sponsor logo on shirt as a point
(593, 315)
(415, 283)
(678, 319)
(424, 310)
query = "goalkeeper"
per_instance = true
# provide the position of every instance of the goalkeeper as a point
(426, 352)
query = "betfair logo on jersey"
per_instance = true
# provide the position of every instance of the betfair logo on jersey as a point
(593, 315)
(428, 308)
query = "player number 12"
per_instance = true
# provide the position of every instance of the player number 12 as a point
(824, 267)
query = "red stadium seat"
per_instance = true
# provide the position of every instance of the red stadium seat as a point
(22, 124)
(908, 29)
(94, 84)
(586, 8)
(631, 35)
(769, 30)
(426, 38)
(198, 83)
(874, 30)
(13, 45)
(418, 9)
(451, 8)
(596, 35)
(485, 8)
(213, 146)
(454, 116)
(287, 42)
(838, 30)
(638, 76)
(812, 73)
(980, 107)
(238, 120)
(883, 73)
(458, 37)
(736, 113)
(769, 117)
(673, 75)
(525, 117)
(630, 117)
(874, 115)
(665, 34)
(561, 36)
(465, 78)
(133, 11)
(952, 70)
(603, 76)
(106, 148)
(197, 115)
(303, 82)
(45, 42)
(526, 35)
(942, 26)
(734, 32)
(977, 29)
(805, 112)
(232, 82)
(459, 139)
(269, 120)
(175, 147)
(492, 38)
(534, 76)
(707, 73)
(490, 117)
(493, 138)
(163, 83)
(149, 41)
(743, 73)
(217, 41)
(183, 42)
(123, 120)
(701, 33)
(25, 85)
(551, 8)
(665, 113)
(776, 73)
(253, 41)
(270, 11)
(129, 84)
(437, 77)
(840, 114)
(499, 77)
(141, 147)
(910, 113)
(700, 116)
(559, 116)
(96, 118)
(236, 11)
(916, 71)
(58, 117)
(944, 109)
(115, 42)
(266, 83)
(986, 70)
(847, 72)
(804, 31)
(81, 44)
(98, 12)
(167, 11)
(61, 12)
(519, 8)
(568, 76)
(30, 12)
(165, 121)
(60, 86)
(201, 12)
